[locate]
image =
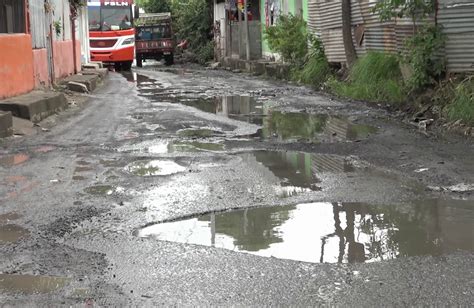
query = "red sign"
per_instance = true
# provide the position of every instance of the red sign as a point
(116, 2)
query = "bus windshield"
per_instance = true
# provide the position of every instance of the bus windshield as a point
(109, 18)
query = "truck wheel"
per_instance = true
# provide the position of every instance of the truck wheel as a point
(126, 66)
(139, 61)
(169, 59)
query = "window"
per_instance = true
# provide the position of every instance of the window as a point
(109, 18)
(12, 16)
(154, 33)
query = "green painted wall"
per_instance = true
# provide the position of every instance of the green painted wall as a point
(291, 9)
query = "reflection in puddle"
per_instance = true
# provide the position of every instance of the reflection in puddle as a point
(166, 146)
(297, 172)
(283, 126)
(31, 284)
(330, 232)
(154, 167)
(13, 160)
(12, 233)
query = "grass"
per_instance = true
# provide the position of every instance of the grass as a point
(462, 104)
(375, 77)
(314, 73)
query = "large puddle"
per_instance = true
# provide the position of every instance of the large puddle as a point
(154, 167)
(330, 232)
(283, 126)
(30, 284)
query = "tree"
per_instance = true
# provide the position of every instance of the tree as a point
(349, 49)
(155, 6)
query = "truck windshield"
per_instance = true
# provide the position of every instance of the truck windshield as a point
(109, 18)
(154, 32)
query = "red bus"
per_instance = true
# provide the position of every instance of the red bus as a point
(111, 32)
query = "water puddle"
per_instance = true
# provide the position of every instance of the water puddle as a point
(12, 233)
(284, 126)
(198, 132)
(167, 147)
(45, 149)
(30, 284)
(13, 160)
(100, 190)
(295, 172)
(330, 232)
(196, 146)
(154, 168)
(5, 218)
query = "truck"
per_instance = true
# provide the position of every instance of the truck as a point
(154, 38)
(111, 32)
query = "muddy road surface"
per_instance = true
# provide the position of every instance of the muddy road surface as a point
(196, 187)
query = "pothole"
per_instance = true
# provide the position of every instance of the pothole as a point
(13, 160)
(12, 233)
(30, 284)
(154, 168)
(198, 132)
(330, 232)
(5, 218)
(100, 190)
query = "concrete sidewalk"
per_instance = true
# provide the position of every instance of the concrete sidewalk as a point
(37, 105)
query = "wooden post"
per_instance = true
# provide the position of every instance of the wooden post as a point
(240, 31)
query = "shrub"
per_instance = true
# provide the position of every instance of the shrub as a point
(289, 38)
(423, 55)
(375, 77)
(205, 53)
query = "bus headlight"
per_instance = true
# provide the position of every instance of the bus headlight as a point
(129, 41)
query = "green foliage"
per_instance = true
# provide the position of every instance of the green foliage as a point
(315, 70)
(415, 9)
(205, 53)
(462, 104)
(289, 38)
(423, 56)
(192, 21)
(57, 27)
(155, 6)
(375, 77)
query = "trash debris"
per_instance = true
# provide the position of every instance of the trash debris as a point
(421, 170)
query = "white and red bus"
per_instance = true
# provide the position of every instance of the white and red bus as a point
(111, 32)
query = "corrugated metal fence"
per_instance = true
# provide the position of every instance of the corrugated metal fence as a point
(369, 33)
(38, 25)
(457, 20)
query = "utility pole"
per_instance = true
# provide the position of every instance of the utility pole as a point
(247, 38)
(240, 30)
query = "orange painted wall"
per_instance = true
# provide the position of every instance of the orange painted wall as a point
(16, 65)
(63, 58)
(40, 64)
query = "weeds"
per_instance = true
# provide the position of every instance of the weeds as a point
(315, 70)
(462, 104)
(375, 77)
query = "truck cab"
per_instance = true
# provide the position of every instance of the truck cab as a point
(154, 38)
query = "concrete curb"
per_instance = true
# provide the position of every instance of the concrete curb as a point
(35, 106)
(6, 124)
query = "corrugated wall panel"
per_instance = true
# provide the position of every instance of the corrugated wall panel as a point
(457, 20)
(37, 23)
